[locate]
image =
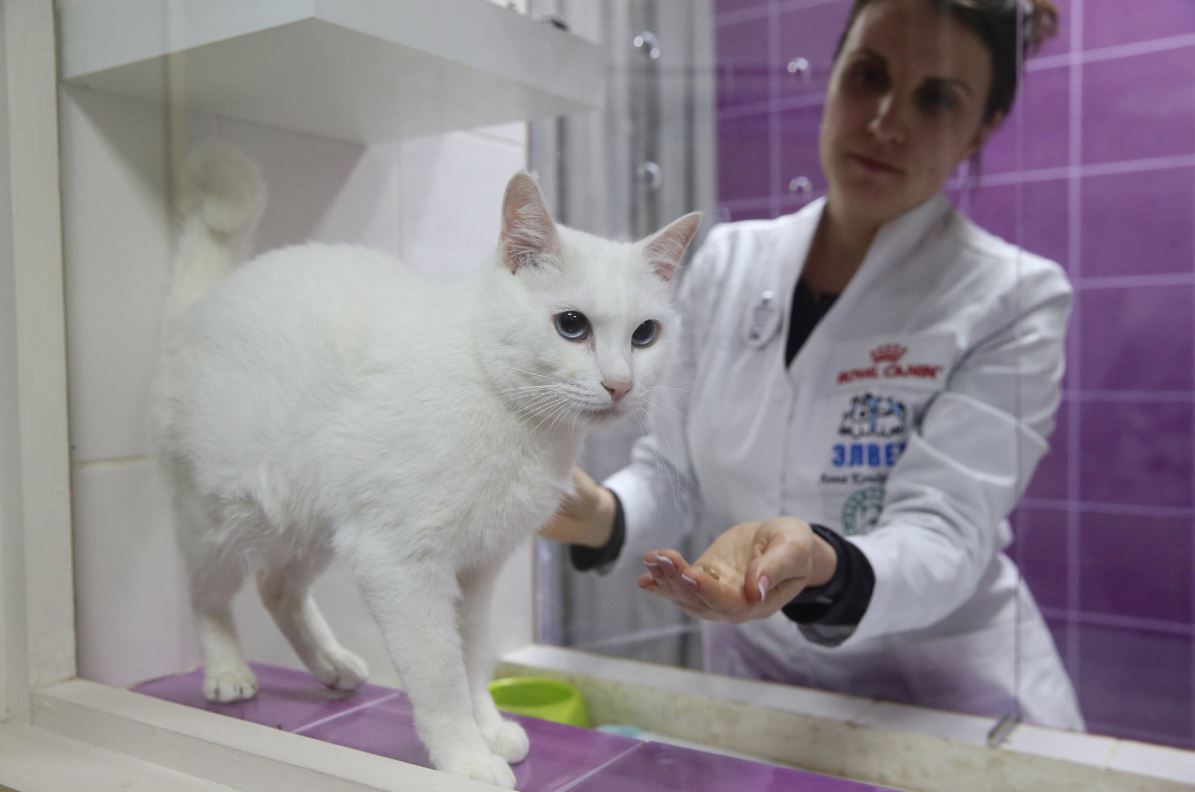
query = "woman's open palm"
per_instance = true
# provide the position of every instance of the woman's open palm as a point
(749, 572)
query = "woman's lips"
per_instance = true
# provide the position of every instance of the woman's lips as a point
(874, 165)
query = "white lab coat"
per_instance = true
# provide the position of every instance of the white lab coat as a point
(911, 421)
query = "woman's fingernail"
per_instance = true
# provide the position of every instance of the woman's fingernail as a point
(763, 587)
(650, 564)
(666, 561)
(690, 582)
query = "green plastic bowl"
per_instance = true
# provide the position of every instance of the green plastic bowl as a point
(541, 697)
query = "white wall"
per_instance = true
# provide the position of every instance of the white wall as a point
(9, 483)
(435, 202)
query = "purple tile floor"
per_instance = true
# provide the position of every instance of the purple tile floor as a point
(378, 720)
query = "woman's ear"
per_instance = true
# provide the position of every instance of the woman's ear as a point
(982, 134)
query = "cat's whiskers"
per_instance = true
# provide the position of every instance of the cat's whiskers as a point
(560, 412)
(518, 390)
(538, 406)
(550, 403)
(546, 410)
(531, 373)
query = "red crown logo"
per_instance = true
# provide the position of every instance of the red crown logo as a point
(888, 353)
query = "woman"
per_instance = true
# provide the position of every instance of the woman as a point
(867, 386)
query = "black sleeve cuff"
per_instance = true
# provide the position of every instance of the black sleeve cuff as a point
(585, 558)
(828, 614)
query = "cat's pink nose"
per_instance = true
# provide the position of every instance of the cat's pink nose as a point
(617, 389)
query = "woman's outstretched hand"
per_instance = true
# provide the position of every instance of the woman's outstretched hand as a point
(749, 572)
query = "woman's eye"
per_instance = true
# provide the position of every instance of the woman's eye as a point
(572, 325)
(645, 334)
(867, 75)
(936, 100)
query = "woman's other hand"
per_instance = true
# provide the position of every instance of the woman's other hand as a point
(584, 518)
(749, 572)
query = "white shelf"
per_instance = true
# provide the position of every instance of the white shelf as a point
(359, 70)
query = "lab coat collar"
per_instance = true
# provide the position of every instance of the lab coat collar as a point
(898, 237)
(894, 241)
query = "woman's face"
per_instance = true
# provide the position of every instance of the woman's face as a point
(903, 108)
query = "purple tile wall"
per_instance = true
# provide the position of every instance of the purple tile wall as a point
(1101, 180)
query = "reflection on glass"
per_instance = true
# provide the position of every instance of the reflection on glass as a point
(863, 359)
(1063, 648)
(1096, 174)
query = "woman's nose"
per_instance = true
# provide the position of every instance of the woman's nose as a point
(886, 126)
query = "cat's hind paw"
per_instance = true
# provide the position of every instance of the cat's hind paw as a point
(487, 768)
(508, 740)
(340, 669)
(226, 685)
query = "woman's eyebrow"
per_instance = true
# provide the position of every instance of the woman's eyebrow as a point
(871, 54)
(962, 86)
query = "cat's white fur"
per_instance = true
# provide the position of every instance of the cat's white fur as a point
(325, 400)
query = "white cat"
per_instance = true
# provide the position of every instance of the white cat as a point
(324, 400)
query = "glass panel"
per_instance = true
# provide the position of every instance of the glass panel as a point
(765, 69)
(914, 419)
(1105, 534)
(623, 173)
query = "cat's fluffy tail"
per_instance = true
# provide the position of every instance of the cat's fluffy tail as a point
(220, 199)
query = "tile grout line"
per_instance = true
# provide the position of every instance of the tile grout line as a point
(1110, 509)
(1191, 742)
(742, 16)
(1012, 178)
(572, 784)
(775, 150)
(1151, 397)
(1074, 449)
(350, 711)
(1076, 56)
(1112, 621)
(1138, 281)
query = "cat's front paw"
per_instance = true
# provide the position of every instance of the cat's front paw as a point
(225, 684)
(340, 669)
(482, 767)
(508, 740)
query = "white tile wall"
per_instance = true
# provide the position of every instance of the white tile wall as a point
(435, 201)
(452, 190)
(116, 258)
(131, 612)
(117, 239)
(10, 516)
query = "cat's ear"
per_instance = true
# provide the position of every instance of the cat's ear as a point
(665, 248)
(528, 235)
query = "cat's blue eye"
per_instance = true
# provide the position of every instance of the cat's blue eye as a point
(645, 334)
(572, 325)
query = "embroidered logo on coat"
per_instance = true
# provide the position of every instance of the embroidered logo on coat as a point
(886, 365)
(874, 416)
(888, 353)
(871, 416)
(862, 510)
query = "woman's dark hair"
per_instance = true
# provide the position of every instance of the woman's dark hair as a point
(1011, 29)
